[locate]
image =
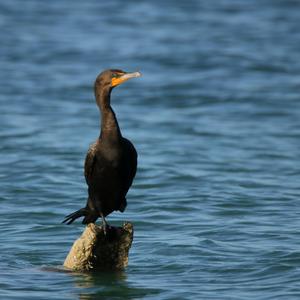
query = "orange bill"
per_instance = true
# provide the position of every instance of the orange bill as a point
(118, 80)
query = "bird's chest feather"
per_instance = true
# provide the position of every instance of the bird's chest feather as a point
(109, 159)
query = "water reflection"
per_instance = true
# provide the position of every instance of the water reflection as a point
(108, 285)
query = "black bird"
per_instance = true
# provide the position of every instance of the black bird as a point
(111, 162)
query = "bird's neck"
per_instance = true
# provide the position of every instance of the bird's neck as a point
(109, 125)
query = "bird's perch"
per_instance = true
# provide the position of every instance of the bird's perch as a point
(96, 251)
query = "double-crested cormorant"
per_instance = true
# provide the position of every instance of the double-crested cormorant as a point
(111, 162)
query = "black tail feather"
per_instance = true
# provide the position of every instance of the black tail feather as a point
(75, 215)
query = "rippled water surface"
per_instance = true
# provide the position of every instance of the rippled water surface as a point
(215, 120)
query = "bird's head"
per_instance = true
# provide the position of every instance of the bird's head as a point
(112, 78)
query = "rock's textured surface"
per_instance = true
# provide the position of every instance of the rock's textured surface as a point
(96, 251)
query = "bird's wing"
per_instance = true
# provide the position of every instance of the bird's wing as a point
(90, 162)
(130, 155)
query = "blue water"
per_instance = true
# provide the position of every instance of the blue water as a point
(216, 122)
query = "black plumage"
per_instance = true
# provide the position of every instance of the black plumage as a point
(111, 162)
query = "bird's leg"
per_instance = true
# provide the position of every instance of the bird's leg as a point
(104, 224)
